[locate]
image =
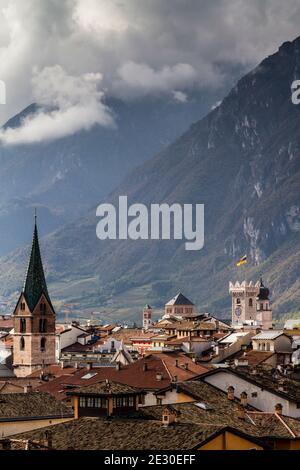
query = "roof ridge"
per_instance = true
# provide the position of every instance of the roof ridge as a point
(285, 424)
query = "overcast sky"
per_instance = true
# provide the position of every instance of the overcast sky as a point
(72, 53)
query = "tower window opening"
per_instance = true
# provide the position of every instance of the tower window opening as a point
(43, 325)
(250, 303)
(23, 325)
(22, 343)
(43, 344)
(238, 301)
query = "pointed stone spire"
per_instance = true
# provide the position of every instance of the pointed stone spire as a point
(35, 283)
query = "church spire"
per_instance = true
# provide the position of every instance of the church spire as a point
(35, 283)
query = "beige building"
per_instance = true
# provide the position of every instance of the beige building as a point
(179, 306)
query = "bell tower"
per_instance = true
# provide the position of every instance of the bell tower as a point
(147, 317)
(33, 318)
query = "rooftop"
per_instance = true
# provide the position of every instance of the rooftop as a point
(270, 334)
(179, 299)
(32, 404)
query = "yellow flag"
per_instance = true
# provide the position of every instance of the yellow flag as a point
(242, 261)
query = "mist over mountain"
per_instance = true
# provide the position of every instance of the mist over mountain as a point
(65, 177)
(243, 162)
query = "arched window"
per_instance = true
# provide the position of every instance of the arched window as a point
(250, 303)
(23, 325)
(238, 301)
(43, 344)
(263, 346)
(22, 306)
(43, 325)
(22, 343)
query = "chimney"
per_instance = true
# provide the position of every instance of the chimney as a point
(76, 365)
(176, 363)
(89, 365)
(230, 393)
(27, 388)
(62, 364)
(244, 399)
(159, 376)
(186, 366)
(278, 408)
(145, 367)
(118, 366)
(240, 413)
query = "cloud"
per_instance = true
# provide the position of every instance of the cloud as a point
(179, 96)
(141, 79)
(67, 104)
(139, 47)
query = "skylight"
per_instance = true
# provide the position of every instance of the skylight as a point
(204, 406)
(89, 375)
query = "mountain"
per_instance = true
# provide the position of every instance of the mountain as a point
(243, 162)
(65, 177)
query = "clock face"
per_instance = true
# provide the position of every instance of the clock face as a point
(238, 311)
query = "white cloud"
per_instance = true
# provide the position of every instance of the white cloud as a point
(139, 47)
(140, 79)
(179, 96)
(67, 105)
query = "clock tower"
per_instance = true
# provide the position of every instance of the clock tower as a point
(243, 302)
(250, 304)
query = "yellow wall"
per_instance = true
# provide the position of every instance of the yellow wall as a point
(229, 441)
(287, 444)
(16, 427)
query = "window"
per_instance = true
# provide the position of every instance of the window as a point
(82, 402)
(23, 325)
(254, 394)
(130, 401)
(43, 325)
(22, 306)
(43, 308)
(43, 344)
(268, 347)
(238, 301)
(22, 343)
(159, 401)
(298, 405)
(250, 303)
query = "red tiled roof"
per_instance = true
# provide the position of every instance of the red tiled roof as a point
(133, 375)
(55, 370)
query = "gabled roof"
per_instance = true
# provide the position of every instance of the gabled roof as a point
(179, 299)
(35, 283)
